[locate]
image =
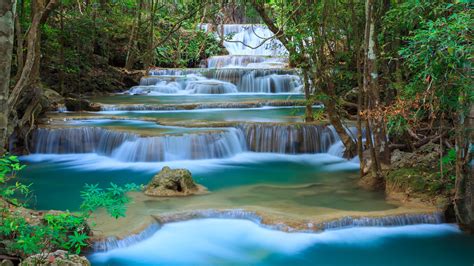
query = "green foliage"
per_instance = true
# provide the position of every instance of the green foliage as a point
(448, 163)
(318, 114)
(113, 199)
(439, 56)
(24, 232)
(9, 166)
(187, 49)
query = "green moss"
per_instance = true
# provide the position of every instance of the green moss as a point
(419, 181)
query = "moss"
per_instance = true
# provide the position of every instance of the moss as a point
(419, 181)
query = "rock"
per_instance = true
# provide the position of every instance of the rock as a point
(74, 104)
(52, 99)
(6, 263)
(59, 257)
(426, 157)
(173, 182)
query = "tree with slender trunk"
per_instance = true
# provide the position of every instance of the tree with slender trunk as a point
(7, 21)
(305, 32)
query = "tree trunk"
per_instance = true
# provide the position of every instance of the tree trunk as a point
(131, 42)
(19, 47)
(61, 52)
(464, 185)
(31, 67)
(7, 16)
(132, 46)
(336, 121)
(375, 121)
(308, 116)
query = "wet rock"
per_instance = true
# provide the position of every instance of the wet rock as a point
(173, 182)
(74, 104)
(52, 99)
(59, 257)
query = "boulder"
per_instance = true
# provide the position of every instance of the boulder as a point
(426, 157)
(75, 104)
(59, 257)
(173, 182)
(53, 99)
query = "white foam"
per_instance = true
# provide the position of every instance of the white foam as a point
(93, 161)
(214, 241)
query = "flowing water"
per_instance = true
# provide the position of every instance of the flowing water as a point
(236, 124)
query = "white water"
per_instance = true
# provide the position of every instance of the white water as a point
(130, 147)
(249, 61)
(94, 161)
(249, 39)
(260, 64)
(218, 81)
(220, 241)
(218, 143)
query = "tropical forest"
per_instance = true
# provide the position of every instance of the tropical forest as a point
(237, 132)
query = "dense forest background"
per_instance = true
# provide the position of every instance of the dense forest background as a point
(400, 70)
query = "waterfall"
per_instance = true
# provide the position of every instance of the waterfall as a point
(289, 138)
(270, 83)
(211, 86)
(186, 147)
(220, 143)
(224, 80)
(113, 243)
(78, 140)
(220, 105)
(344, 222)
(133, 148)
(246, 61)
(248, 39)
(394, 220)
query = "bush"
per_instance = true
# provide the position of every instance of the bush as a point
(24, 232)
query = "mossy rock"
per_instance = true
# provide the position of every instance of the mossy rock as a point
(173, 182)
(59, 257)
(77, 104)
(417, 180)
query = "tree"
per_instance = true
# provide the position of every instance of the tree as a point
(7, 15)
(439, 60)
(317, 41)
(376, 136)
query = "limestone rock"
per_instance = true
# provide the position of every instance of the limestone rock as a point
(59, 257)
(173, 182)
(426, 157)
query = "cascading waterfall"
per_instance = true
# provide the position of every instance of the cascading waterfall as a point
(133, 148)
(78, 140)
(217, 81)
(211, 86)
(220, 105)
(221, 143)
(289, 138)
(248, 39)
(393, 220)
(246, 61)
